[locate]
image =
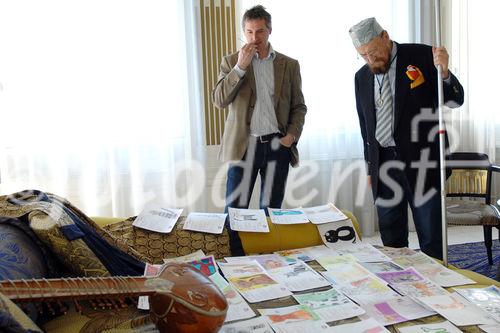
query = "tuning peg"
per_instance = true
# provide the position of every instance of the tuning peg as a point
(78, 307)
(62, 307)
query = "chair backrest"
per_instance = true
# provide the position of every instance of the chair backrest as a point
(470, 177)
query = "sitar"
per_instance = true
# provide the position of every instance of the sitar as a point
(181, 298)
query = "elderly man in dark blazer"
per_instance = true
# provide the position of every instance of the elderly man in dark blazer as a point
(263, 89)
(396, 99)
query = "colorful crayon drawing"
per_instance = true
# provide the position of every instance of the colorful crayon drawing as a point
(246, 283)
(206, 265)
(298, 315)
(286, 212)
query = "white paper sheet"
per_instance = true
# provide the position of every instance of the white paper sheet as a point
(488, 299)
(319, 250)
(433, 270)
(367, 289)
(157, 218)
(240, 268)
(343, 268)
(238, 308)
(336, 234)
(256, 325)
(253, 282)
(330, 305)
(149, 270)
(409, 282)
(249, 220)
(362, 252)
(259, 287)
(381, 266)
(294, 319)
(442, 327)
(354, 280)
(268, 261)
(304, 254)
(457, 310)
(324, 214)
(490, 328)
(287, 216)
(395, 310)
(332, 258)
(368, 325)
(298, 277)
(393, 252)
(205, 222)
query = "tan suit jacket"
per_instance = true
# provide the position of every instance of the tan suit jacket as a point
(240, 94)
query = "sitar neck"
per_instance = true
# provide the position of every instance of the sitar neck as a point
(35, 290)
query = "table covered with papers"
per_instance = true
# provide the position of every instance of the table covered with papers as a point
(345, 285)
(353, 288)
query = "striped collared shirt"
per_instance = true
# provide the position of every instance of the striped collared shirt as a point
(264, 117)
(391, 76)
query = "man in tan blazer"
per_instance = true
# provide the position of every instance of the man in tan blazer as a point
(263, 90)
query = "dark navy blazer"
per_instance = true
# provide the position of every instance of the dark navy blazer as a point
(415, 132)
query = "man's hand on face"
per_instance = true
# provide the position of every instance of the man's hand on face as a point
(245, 55)
(441, 58)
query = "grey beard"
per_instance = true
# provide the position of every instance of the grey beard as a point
(380, 70)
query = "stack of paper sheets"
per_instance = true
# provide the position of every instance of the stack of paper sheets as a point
(386, 287)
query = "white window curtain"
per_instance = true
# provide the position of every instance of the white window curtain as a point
(316, 34)
(471, 30)
(473, 25)
(94, 98)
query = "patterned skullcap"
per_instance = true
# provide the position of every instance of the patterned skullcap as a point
(365, 31)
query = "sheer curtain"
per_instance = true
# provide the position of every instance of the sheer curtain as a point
(316, 33)
(94, 97)
(472, 23)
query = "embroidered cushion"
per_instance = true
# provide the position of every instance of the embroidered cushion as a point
(155, 246)
(20, 257)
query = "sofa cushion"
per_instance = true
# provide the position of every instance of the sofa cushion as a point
(20, 257)
(156, 246)
(469, 212)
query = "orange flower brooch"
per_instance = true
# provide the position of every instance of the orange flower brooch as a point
(415, 75)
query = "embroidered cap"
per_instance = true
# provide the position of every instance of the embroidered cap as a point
(365, 31)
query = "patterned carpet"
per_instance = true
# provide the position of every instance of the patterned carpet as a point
(473, 256)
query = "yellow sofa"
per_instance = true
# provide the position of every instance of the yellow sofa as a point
(279, 237)
(283, 237)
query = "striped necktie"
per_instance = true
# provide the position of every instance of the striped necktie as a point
(383, 132)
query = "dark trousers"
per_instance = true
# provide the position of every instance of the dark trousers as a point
(393, 218)
(271, 160)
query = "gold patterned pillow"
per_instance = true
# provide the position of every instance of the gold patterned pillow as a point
(156, 246)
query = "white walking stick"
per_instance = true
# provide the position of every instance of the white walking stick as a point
(442, 135)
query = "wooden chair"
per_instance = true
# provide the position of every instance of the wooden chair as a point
(469, 194)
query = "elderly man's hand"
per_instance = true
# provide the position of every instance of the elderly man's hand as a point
(441, 58)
